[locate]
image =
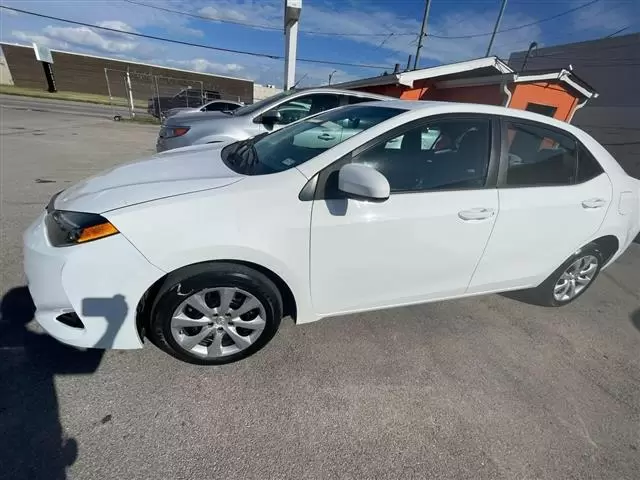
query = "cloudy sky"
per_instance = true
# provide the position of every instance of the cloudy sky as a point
(371, 32)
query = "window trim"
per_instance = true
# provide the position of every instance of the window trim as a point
(582, 148)
(504, 151)
(346, 99)
(315, 187)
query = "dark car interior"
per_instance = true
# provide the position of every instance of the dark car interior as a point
(538, 157)
(457, 159)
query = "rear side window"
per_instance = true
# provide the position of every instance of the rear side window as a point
(539, 156)
(214, 107)
(588, 166)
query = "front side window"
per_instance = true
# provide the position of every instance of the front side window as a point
(302, 107)
(429, 135)
(294, 110)
(294, 145)
(539, 156)
(443, 154)
(254, 107)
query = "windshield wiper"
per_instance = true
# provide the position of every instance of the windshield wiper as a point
(248, 155)
(244, 154)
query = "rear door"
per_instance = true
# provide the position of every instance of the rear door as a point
(553, 197)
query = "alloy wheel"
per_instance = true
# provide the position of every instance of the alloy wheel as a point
(575, 278)
(217, 322)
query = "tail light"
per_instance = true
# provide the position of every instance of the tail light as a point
(170, 132)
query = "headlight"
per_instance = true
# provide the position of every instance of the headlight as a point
(70, 228)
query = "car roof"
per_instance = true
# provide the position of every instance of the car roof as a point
(220, 100)
(342, 91)
(456, 107)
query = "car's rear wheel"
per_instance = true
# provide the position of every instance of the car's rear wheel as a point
(571, 279)
(212, 314)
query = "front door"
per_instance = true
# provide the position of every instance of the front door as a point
(422, 243)
(553, 197)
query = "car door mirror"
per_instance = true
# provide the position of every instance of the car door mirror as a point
(362, 181)
(271, 117)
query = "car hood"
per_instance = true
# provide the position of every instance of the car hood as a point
(171, 173)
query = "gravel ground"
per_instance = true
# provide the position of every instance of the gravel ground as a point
(480, 388)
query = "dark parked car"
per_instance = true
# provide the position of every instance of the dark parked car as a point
(187, 97)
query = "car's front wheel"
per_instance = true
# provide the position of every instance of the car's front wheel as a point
(571, 279)
(217, 313)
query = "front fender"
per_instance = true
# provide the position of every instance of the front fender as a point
(257, 220)
(295, 279)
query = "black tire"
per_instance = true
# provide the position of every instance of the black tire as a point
(543, 293)
(210, 275)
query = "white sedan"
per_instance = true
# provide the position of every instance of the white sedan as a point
(203, 249)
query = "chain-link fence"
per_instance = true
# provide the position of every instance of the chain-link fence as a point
(135, 94)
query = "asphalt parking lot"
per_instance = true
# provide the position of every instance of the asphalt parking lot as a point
(486, 387)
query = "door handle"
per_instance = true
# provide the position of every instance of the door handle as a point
(594, 203)
(326, 136)
(476, 214)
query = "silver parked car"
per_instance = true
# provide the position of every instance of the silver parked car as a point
(261, 117)
(213, 106)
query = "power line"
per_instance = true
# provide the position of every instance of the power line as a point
(191, 44)
(255, 25)
(204, 17)
(519, 27)
(568, 51)
(355, 34)
(618, 31)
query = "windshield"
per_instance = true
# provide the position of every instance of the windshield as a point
(254, 107)
(294, 145)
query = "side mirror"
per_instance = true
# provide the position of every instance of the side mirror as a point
(363, 181)
(271, 117)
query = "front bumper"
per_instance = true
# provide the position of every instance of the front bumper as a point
(101, 281)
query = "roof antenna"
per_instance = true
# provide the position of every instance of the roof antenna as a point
(296, 84)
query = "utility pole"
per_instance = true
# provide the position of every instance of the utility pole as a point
(497, 26)
(422, 33)
(292, 10)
